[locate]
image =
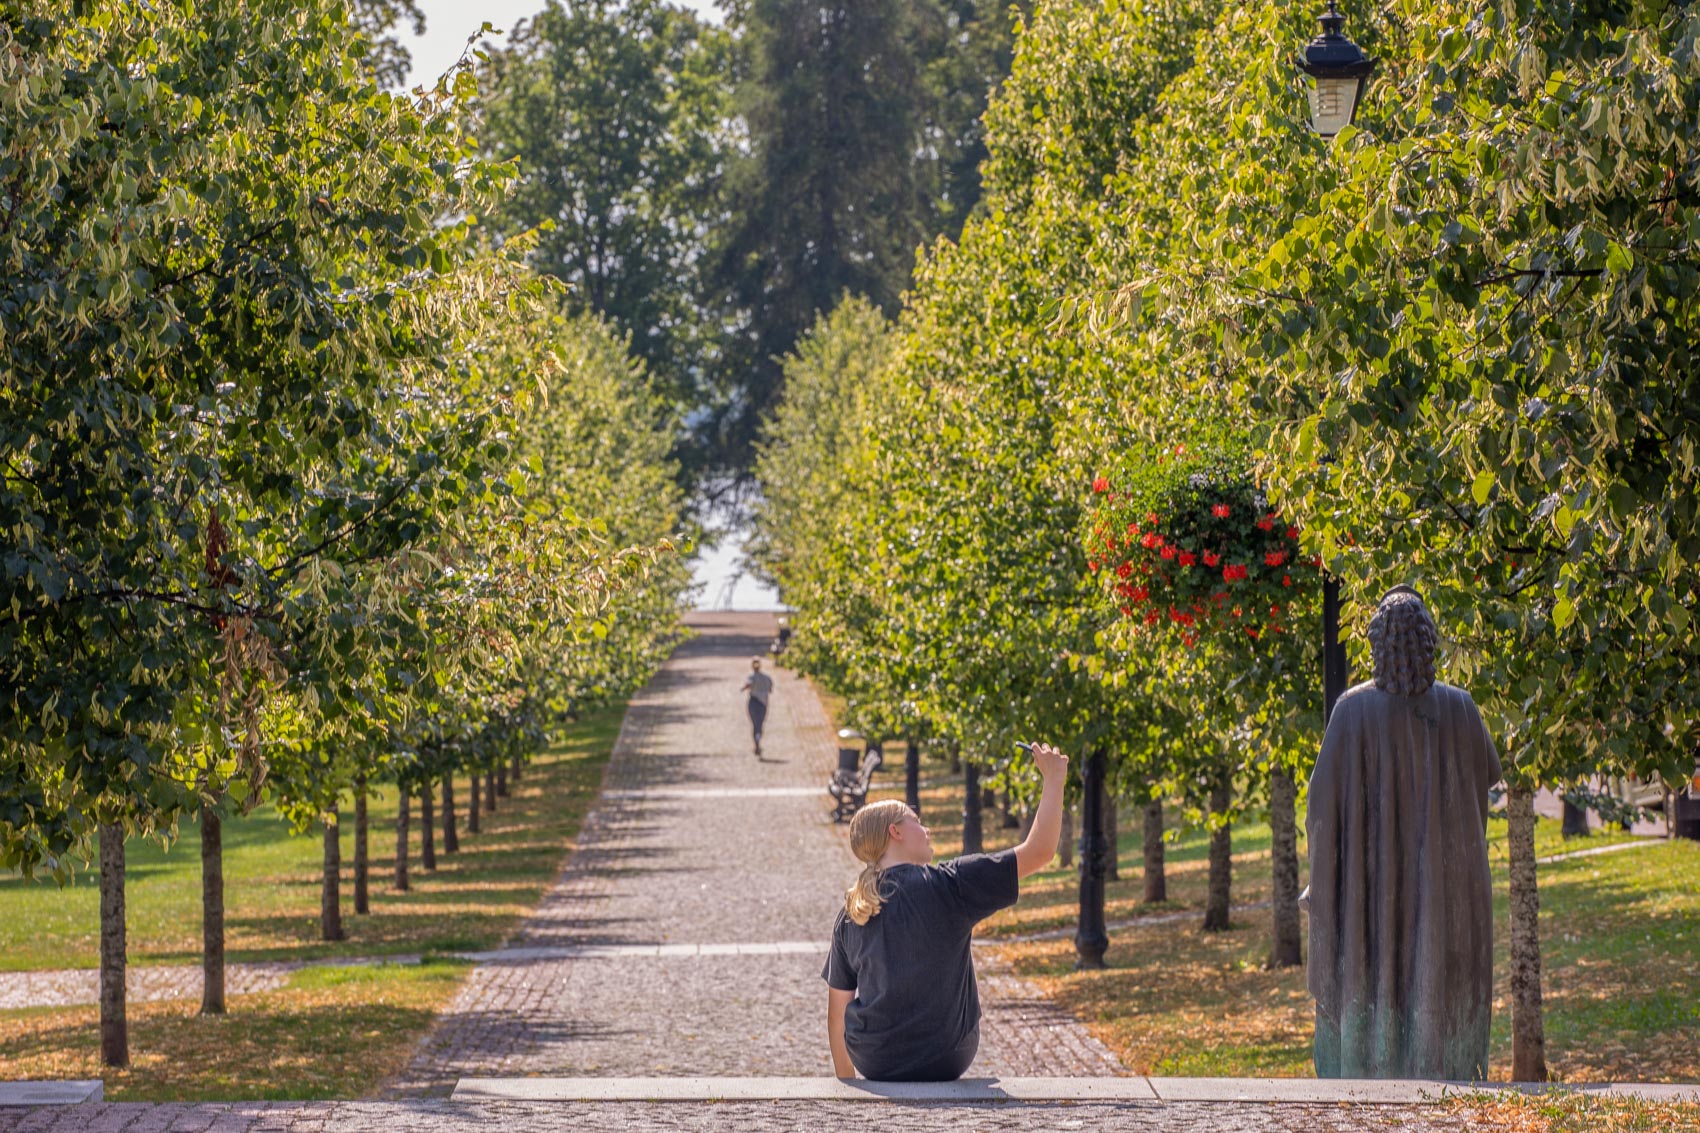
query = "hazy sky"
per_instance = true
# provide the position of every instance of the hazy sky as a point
(449, 22)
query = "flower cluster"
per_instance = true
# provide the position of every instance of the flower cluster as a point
(1199, 554)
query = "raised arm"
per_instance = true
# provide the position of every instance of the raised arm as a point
(1036, 852)
(837, 1002)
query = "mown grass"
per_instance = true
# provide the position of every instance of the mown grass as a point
(1620, 938)
(272, 879)
(332, 1031)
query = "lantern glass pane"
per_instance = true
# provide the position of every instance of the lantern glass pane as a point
(1331, 103)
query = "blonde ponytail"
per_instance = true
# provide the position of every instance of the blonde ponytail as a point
(870, 834)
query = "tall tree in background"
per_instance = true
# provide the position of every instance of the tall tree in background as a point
(616, 114)
(864, 142)
(389, 61)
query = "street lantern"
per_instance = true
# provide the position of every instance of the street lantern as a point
(1339, 71)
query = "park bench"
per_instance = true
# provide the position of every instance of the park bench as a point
(849, 786)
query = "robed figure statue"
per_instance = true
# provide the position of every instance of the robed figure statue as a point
(1401, 897)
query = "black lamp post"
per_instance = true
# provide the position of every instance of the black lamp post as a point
(1339, 71)
(1091, 935)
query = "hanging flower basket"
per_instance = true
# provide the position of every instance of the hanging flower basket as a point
(1187, 544)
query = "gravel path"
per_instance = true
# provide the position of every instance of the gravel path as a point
(697, 846)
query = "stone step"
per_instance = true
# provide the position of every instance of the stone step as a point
(37, 1093)
(973, 1090)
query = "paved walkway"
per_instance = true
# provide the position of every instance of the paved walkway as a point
(731, 1117)
(687, 933)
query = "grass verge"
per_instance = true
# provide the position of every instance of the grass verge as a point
(333, 1031)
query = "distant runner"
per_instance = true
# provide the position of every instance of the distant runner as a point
(760, 686)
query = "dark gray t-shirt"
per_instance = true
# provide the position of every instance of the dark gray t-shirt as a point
(916, 1005)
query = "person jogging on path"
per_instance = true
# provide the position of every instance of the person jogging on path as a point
(902, 1005)
(760, 686)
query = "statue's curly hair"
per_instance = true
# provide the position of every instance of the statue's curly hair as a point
(1402, 638)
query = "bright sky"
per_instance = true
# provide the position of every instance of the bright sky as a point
(449, 22)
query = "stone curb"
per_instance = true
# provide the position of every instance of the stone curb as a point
(34, 1093)
(1021, 1090)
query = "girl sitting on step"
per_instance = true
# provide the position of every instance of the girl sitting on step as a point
(901, 1001)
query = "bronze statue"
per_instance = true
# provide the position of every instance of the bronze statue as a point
(1401, 897)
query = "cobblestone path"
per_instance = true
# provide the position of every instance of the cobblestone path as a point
(839, 1117)
(699, 860)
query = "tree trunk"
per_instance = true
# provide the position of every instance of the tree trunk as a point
(362, 851)
(403, 805)
(955, 759)
(472, 820)
(1221, 860)
(1528, 1032)
(1112, 851)
(114, 1025)
(212, 911)
(1065, 842)
(1288, 951)
(330, 895)
(427, 831)
(1156, 880)
(515, 765)
(451, 837)
(972, 842)
(502, 780)
(489, 792)
(1010, 821)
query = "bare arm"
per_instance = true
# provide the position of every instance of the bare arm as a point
(837, 1002)
(1036, 852)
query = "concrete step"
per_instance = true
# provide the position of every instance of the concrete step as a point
(35, 1093)
(972, 1090)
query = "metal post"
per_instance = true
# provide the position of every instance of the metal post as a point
(1334, 671)
(1091, 937)
(912, 774)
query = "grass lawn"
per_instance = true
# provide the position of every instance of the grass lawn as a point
(1620, 941)
(331, 1032)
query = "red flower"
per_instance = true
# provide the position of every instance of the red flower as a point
(1275, 611)
(1286, 580)
(1179, 449)
(1092, 565)
(1234, 572)
(1133, 529)
(1292, 532)
(1127, 612)
(1152, 617)
(1151, 541)
(1167, 552)
(1220, 511)
(1150, 517)
(1211, 558)
(1187, 558)
(1101, 484)
(1140, 593)
(1124, 570)
(1267, 523)
(1190, 639)
(1237, 611)
(1274, 558)
(1252, 633)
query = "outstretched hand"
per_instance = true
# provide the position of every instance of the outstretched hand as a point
(1049, 760)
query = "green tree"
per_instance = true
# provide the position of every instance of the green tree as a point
(616, 115)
